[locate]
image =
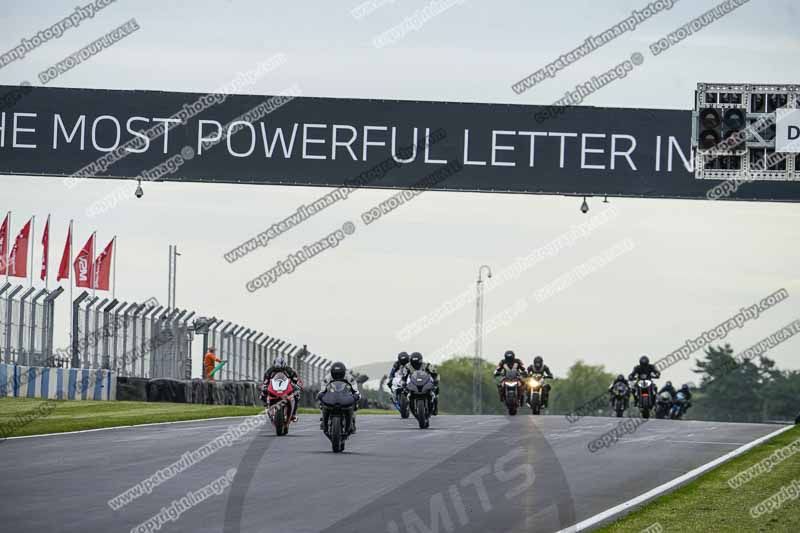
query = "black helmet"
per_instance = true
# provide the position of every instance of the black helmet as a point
(685, 387)
(416, 360)
(338, 370)
(402, 358)
(644, 360)
(538, 361)
(668, 384)
(509, 357)
(620, 377)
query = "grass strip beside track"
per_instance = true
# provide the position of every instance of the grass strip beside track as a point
(73, 415)
(710, 504)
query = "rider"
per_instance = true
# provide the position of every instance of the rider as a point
(619, 379)
(644, 368)
(688, 395)
(416, 362)
(402, 361)
(668, 388)
(339, 373)
(280, 365)
(538, 367)
(508, 362)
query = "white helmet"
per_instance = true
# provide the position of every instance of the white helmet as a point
(280, 362)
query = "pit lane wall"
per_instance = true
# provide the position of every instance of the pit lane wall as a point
(19, 381)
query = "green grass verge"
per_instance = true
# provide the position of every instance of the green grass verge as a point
(710, 504)
(29, 416)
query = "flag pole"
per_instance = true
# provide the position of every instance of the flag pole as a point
(114, 261)
(47, 255)
(8, 233)
(94, 267)
(70, 276)
(32, 237)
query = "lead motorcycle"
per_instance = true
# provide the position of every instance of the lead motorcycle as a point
(621, 392)
(535, 392)
(338, 409)
(645, 392)
(421, 396)
(280, 398)
(400, 394)
(512, 391)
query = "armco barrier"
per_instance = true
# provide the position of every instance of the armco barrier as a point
(197, 391)
(18, 381)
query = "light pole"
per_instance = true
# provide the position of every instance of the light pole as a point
(477, 370)
(172, 275)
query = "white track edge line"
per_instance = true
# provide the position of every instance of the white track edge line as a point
(608, 513)
(126, 427)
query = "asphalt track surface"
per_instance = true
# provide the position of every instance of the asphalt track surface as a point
(465, 473)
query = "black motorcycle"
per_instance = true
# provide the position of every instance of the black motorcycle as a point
(663, 405)
(421, 396)
(620, 393)
(338, 410)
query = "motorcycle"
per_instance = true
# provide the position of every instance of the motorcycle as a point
(421, 396)
(398, 387)
(678, 406)
(663, 405)
(281, 395)
(535, 392)
(621, 391)
(645, 394)
(338, 408)
(512, 385)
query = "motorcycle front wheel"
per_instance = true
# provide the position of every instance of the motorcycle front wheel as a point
(404, 406)
(335, 434)
(421, 408)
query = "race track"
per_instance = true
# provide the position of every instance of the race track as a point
(465, 473)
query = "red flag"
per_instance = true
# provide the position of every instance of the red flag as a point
(18, 258)
(63, 268)
(45, 248)
(3, 245)
(84, 265)
(102, 268)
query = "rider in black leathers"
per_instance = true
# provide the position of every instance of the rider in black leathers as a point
(668, 388)
(339, 373)
(644, 369)
(538, 367)
(508, 362)
(416, 363)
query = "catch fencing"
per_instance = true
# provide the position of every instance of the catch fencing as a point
(148, 340)
(26, 325)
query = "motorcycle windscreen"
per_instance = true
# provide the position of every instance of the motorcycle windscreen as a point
(338, 399)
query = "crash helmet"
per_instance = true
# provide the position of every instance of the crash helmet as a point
(402, 358)
(685, 387)
(338, 370)
(416, 360)
(644, 360)
(280, 362)
(538, 362)
(509, 357)
(668, 384)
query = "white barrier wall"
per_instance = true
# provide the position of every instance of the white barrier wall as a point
(19, 381)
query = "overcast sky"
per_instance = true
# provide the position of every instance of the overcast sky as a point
(692, 265)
